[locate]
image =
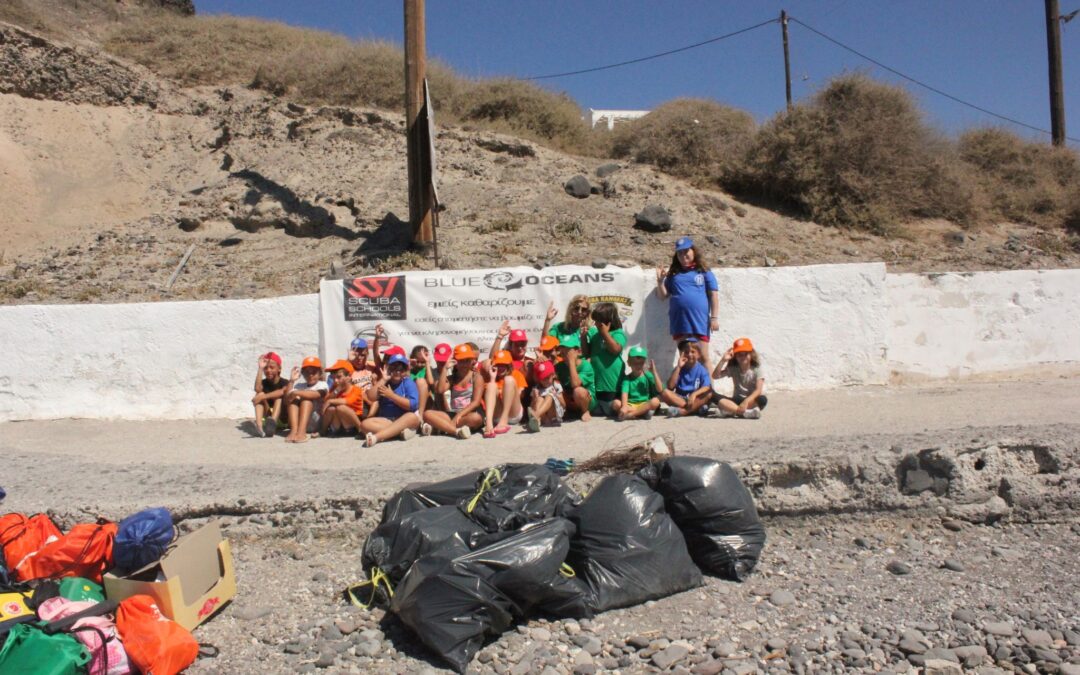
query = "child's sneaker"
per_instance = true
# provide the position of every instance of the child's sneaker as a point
(370, 440)
(648, 415)
(425, 429)
(673, 412)
(463, 433)
(407, 434)
(533, 424)
(752, 414)
(704, 411)
(270, 427)
(259, 430)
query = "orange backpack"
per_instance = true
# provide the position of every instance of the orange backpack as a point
(85, 551)
(21, 536)
(154, 643)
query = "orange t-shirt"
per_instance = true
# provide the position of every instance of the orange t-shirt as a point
(519, 378)
(354, 398)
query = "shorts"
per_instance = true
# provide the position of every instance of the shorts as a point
(682, 336)
(761, 401)
(604, 401)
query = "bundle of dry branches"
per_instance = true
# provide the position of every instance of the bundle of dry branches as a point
(630, 458)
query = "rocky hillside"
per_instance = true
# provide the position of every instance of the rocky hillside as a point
(109, 175)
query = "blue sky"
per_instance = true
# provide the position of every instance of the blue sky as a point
(989, 52)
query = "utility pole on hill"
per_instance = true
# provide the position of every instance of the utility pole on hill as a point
(1057, 89)
(787, 59)
(421, 191)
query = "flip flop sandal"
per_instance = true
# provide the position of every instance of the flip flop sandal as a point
(502, 429)
(489, 434)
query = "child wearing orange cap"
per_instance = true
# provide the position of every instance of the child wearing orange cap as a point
(463, 388)
(344, 405)
(743, 365)
(302, 398)
(269, 393)
(502, 395)
(548, 403)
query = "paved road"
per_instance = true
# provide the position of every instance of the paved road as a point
(105, 466)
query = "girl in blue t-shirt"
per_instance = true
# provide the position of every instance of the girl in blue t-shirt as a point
(694, 310)
(689, 389)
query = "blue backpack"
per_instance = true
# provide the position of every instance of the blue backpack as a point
(142, 539)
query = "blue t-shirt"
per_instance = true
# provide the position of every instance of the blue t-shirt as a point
(688, 309)
(406, 388)
(692, 378)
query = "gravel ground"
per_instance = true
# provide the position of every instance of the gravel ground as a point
(947, 536)
(831, 594)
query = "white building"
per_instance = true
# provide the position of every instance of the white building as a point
(613, 117)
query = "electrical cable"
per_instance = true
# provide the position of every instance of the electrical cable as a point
(653, 56)
(923, 84)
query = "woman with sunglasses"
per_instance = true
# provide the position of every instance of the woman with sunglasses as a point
(575, 323)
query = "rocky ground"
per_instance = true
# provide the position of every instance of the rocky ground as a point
(834, 593)
(110, 174)
(942, 536)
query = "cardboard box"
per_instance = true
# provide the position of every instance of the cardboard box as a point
(193, 580)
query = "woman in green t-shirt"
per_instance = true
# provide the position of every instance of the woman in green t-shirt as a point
(604, 346)
(575, 323)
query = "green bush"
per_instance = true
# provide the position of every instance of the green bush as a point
(857, 154)
(691, 138)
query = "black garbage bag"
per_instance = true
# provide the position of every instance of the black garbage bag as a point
(509, 496)
(714, 510)
(627, 548)
(529, 568)
(419, 497)
(451, 609)
(441, 530)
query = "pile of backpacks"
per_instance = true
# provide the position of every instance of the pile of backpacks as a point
(54, 616)
(460, 561)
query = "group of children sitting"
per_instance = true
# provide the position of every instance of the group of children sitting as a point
(576, 372)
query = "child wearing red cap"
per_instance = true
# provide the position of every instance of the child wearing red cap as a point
(743, 365)
(548, 403)
(269, 392)
(517, 343)
(304, 399)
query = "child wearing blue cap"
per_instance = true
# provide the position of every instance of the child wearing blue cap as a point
(398, 399)
(689, 389)
(694, 310)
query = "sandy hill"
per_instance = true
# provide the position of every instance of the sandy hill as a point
(108, 174)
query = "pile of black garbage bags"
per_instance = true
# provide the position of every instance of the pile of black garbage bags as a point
(462, 560)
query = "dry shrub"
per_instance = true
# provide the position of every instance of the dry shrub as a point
(857, 154)
(523, 109)
(691, 138)
(1023, 181)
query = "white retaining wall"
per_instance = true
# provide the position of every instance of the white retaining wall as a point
(962, 324)
(817, 327)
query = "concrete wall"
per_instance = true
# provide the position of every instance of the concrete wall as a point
(163, 360)
(956, 325)
(817, 326)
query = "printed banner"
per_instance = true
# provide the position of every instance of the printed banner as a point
(457, 306)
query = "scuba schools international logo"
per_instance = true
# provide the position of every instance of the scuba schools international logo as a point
(375, 298)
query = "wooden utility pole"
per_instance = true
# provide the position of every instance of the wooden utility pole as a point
(787, 58)
(421, 197)
(1057, 89)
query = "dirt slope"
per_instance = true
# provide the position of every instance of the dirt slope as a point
(108, 175)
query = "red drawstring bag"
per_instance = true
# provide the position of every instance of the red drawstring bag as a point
(154, 643)
(85, 551)
(20, 536)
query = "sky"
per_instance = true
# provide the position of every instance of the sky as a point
(991, 53)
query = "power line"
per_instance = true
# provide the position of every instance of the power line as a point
(653, 56)
(923, 84)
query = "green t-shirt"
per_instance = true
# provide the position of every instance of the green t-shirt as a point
(585, 374)
(609, 367)
(419, 375)
(639, 389)
(561, 330)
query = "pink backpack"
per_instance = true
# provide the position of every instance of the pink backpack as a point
(97, 633)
